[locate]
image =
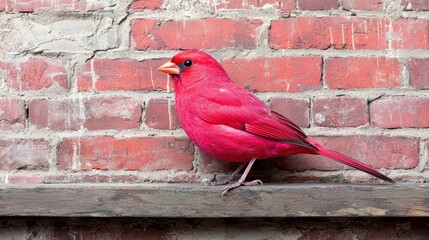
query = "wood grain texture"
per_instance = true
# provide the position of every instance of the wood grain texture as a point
(195, 200)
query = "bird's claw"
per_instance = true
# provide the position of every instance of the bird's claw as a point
(253, 183)
(240, 183)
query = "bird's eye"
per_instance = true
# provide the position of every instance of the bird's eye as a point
(187, 63)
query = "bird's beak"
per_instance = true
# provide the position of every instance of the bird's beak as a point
(170, 68)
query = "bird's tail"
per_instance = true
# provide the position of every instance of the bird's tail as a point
(348, 161)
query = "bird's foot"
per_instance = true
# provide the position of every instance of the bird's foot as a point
(240, 183)
(226, 180)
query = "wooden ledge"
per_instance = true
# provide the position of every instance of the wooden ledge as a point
(196, 200)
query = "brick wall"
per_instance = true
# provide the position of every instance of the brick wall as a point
(82, 101)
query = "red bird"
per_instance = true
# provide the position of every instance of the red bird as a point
(230, 123)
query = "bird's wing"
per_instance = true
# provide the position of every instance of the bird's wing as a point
(241, 110)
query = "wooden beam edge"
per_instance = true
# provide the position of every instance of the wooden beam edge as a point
(199, 201)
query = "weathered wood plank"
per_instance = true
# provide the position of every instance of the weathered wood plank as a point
(195, 200)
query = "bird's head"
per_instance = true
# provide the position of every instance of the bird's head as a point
(193, 66)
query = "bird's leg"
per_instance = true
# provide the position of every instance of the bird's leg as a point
(241, 181)
(228, 179)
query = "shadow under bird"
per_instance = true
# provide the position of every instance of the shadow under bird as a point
(230, 123)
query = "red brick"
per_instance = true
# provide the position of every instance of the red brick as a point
(4, 5)
(410, 34)
(8, 73)
(318, 5)
(72, 5)
(340, 112)
(415, 5)
(369, 5)
(400, 112)
(37, 73)
(55, 114)
(210, 164)
(145, 4)
(376, 151)
(251, 4)
(112, 113)
(326, 32)
(362, 72)
(93, 113)
(66, 152)
(294, 109)
(84, 77)
(161, 114)
(23, 154)
(30, 5)
(108, 153)
(418, 72)
(149, 34)
(25, 179)
(12, 114)
(122, 74)
(287, 74)
(349, 33)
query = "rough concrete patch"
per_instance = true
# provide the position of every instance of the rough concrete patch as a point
(192, 6)
(74, 27)
(2, 80)
(319, 118)
(64, 35)
(393, 8)
(101, 4)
